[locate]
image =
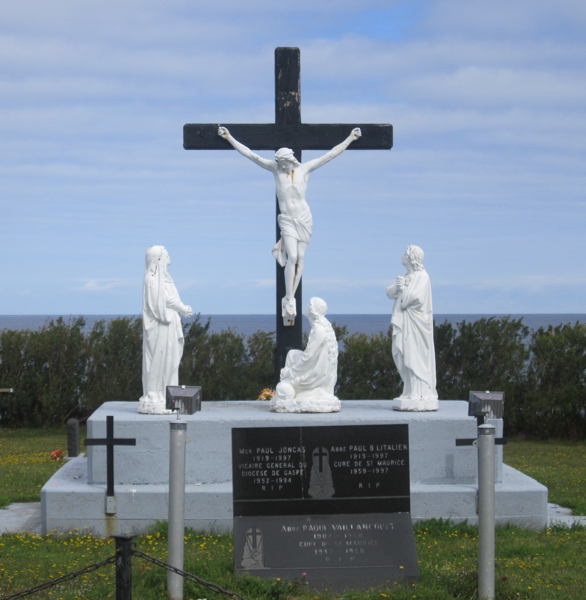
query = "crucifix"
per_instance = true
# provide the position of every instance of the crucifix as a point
(287, 134)
(110, 441)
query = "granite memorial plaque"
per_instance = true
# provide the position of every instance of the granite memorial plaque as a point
(329, 502)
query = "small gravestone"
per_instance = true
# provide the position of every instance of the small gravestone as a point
(73, 444)
(325, 505)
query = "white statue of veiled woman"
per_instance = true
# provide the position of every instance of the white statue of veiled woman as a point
(309, 377)
(162, 342)
(413, 349)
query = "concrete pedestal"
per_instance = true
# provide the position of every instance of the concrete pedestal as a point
(443, 476)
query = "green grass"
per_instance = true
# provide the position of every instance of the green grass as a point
(546, 565)
(560, 466)
(26, 463)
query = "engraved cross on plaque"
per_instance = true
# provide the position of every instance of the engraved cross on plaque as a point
(287, 131)
(256, 535)
(320, 453)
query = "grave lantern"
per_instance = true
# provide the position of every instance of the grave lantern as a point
(483, 405)
(185, 399)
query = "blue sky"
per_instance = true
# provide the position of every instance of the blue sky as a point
(487, 174)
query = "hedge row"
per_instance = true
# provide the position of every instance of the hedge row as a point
(58, 371)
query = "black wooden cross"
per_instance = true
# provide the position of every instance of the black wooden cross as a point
(109, 441)
(321, 453)
(287, 131)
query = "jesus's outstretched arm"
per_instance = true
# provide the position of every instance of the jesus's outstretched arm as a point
(335, 151)
(270, 165)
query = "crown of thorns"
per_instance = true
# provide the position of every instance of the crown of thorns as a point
(284, 154)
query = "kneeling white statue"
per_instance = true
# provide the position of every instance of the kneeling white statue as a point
(309, 377)
(162, 342)
(412, 321)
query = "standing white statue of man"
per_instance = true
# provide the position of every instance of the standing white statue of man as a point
(162, 341)
(309, 376)
(295, 220)
(412, 321)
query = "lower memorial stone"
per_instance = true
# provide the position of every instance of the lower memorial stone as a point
(329, 506)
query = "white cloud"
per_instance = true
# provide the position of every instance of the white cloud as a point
(346, 283)
(480, 86)
(265, 283)
(527, 283)
(101, 285)
(500, 18)
(357, 59)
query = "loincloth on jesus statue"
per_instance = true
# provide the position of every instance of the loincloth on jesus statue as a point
(299, 228)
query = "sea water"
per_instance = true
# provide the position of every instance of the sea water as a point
(248, 324)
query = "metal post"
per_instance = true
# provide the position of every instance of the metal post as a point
(176, 506)
(123, 566)
(110, 456)
(486, 512)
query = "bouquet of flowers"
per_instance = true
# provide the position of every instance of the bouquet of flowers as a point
(266, 394)
(56, 454)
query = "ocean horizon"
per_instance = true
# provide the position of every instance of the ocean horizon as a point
(248, 324)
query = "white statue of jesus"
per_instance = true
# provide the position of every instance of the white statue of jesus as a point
(295, 220)
(413, 349)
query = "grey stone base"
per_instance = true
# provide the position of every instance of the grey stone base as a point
(442, 475)
(520, 500)
(71, 504)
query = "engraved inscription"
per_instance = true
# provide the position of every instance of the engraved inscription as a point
(295, 467)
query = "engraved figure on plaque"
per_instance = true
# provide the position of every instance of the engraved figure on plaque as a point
(321, 483)
(252, 555)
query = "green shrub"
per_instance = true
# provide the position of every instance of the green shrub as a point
(488, 354)
(223, 363)
(366, 369)
(15, 373)
(554, 399)
(114, 366)
(59, 371)
(46, 368)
